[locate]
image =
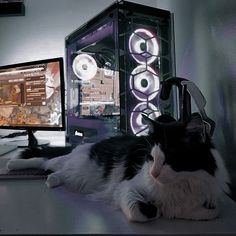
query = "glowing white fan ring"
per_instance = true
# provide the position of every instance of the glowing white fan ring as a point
(84, 66)
(151, 38)
(139, 117)
(137, 82)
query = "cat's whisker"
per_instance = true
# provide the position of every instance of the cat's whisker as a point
(150, 145)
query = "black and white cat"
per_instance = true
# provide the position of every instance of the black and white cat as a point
(174, 172)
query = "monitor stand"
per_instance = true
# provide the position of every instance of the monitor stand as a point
(31, 142)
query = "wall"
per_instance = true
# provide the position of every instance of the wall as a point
(41, 32)
(205, 36)
(219, 72)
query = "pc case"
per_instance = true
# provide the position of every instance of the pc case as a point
(115, 64)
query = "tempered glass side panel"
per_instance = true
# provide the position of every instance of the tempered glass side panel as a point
(93, 81)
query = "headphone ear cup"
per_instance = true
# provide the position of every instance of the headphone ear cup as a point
(188, 90)
(200, 102)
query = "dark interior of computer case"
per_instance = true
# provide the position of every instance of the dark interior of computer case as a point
(115, 65)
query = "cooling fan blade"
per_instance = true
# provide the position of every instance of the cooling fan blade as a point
(143, 46)
(144, 83)
(84, 66)
(136, 121)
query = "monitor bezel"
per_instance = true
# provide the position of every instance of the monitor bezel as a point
(62, 86)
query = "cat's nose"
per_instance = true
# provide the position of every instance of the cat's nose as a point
(155, 173)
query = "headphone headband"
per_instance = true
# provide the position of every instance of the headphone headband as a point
(187, 89)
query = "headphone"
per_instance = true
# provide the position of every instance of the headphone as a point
(186, 91)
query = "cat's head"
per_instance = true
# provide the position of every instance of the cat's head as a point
(168, 132)
(186, 145)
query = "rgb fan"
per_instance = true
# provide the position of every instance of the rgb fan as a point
(143, 46)
(84, 66)
(144, 83)
(136, 123)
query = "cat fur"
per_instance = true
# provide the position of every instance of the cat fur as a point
(174, 172)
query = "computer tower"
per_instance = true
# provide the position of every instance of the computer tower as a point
(115, 64)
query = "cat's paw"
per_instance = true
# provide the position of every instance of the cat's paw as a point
(143, 211)
(209, 205)
(53, 180)
(209, 214)
(201, 214)
(13, 164)
(148, 209)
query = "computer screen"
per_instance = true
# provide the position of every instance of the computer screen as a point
(32, 95)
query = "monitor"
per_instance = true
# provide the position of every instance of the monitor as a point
(32, 97)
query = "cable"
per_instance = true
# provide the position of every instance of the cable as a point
(13, 135)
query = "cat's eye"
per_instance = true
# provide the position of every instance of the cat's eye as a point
(150, 157)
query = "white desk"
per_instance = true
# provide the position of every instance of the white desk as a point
(29, 207)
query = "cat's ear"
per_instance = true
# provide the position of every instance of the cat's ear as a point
(195, 127)
(149, 122)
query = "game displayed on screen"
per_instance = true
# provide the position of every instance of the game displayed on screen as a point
(31, 96)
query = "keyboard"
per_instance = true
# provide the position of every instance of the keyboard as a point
(4, 149)
(25, 174)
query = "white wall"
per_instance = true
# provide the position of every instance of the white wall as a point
(205, 40)
(41, 32)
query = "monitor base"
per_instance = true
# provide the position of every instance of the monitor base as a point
(25, 143)
(32, 142)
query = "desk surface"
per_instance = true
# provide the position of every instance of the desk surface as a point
(29, 207)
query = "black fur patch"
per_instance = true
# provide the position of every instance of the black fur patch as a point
(148, 209)
(189, 158)
(47, 152)
(185, 145)
(129, 151)
(209, 205)
(138, 153)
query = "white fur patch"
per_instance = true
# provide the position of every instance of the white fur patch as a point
(158, 160)
(16, 164)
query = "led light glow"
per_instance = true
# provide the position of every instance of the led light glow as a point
(136, 124)
(84, 66)
(143, 46)
(144, 83)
